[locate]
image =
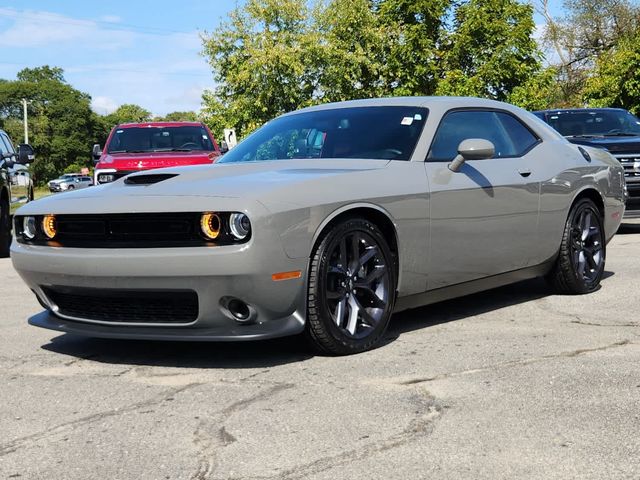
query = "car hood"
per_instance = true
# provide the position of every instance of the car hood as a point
(614, 145)
(146, 161)
(281, 181)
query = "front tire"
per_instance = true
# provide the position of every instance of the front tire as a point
(351, 290)
(580, 264)
(5, 229)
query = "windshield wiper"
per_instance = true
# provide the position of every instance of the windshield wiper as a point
(581, 136)
(621, 134)
(173, 149)
(128, 151)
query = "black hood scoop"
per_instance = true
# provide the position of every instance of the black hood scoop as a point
(148, 179)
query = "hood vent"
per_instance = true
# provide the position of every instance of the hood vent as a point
(148, 179)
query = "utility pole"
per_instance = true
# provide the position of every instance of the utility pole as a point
(24, 119)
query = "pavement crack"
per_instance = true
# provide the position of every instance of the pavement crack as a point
(514, 363)
(209, 438)
(594, 324)
(18, 443)
(428, 411)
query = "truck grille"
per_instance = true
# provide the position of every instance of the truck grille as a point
(125, 306)
(631, 164)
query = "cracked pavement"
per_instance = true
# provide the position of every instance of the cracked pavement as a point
(510, 383)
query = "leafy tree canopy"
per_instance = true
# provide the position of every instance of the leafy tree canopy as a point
(128, 113)
(274, 56)
(62, 126)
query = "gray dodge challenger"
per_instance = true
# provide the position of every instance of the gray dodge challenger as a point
(325, 221)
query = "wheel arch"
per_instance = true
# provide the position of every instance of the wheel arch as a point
(373, 213)
(592, 194)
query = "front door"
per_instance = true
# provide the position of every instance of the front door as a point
(483, 217)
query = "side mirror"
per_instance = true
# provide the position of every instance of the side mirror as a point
(224, 148)
(26, 155)
(472, 149)
(96, 152)
(8, 160)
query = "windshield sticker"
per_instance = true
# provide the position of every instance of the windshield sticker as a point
(119, 131)
(417, 117)
(165, 134)
(406, 121)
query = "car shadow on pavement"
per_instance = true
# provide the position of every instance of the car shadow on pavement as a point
(269, 353)
(254, 354)
(627, 228)
(470, 305)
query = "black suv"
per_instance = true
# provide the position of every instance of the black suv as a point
(16, 186)
(613, 129)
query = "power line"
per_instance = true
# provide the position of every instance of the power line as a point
(124, 27)
(121, 70)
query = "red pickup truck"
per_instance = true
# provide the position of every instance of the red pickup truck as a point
(132, 147)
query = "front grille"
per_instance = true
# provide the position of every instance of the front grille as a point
(129, 230)
(631, 164)
(125, 306)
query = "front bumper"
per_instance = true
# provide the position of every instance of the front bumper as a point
(213, 273)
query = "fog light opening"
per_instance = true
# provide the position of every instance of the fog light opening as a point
(239, 309)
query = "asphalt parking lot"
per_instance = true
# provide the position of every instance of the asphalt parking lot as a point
(511, 383)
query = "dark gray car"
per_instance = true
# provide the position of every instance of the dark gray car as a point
(16, 185)
(326, 221)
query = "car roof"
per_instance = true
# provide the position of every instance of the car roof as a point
(441, 102)
(159, 124)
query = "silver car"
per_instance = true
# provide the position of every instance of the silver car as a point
(70, 181)
(325, 221)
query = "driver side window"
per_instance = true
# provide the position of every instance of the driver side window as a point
(509, 137)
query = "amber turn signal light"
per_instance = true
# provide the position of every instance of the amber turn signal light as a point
(49, 226)
(210, 225)
(277, 277)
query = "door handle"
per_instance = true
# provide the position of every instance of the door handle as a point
(524, 172)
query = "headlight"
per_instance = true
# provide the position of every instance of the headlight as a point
(49, 226)
(29, 228)
(106, 178)
(210, 225)
(239, 225)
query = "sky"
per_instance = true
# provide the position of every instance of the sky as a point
(136, 51)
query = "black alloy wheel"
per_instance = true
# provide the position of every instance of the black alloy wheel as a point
(580, 264)
(352, 285)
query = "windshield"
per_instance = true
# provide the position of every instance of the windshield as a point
(385, 133)
(159, 139)
(594, 123)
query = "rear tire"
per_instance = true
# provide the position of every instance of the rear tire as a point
(351, 291)
(580, 263)
(5, 229)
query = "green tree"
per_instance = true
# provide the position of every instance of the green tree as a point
(587, 30)
(178, 117)
(259, 64)
(62, 125)
(491, 49)
(128, 113)
(615, 81)
(414, 30)
(275, 56)
(349, 54)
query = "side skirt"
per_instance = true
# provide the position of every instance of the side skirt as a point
(468, 288)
